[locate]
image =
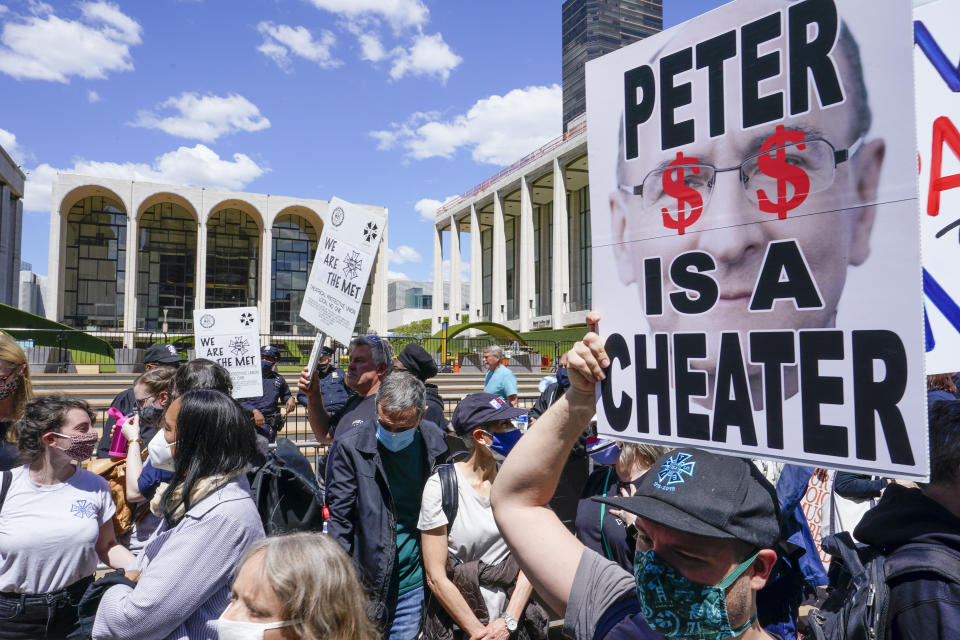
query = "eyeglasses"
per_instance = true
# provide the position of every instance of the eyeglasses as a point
(777, 179)
(142, 402)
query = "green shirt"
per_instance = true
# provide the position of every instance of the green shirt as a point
(405, 475)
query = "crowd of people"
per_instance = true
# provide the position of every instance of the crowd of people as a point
(437, 527)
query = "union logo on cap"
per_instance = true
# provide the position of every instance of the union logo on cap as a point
(672, 471)
(497, 402)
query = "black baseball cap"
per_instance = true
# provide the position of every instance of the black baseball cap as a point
(270, 351)
(709, 495)
(479, 408)
(164, 353)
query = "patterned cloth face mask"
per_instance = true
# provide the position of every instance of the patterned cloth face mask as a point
(10, 383)
(681, 608)
(81, 445)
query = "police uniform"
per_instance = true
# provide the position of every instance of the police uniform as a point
(332, 387)
(275, 388)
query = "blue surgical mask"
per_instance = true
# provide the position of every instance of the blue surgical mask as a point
(681, 608)
(562, 379)
(503, 442)
(395, 441)
(266, 365)
(607, 452)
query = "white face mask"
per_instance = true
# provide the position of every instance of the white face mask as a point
(233, 630)
(159, 452)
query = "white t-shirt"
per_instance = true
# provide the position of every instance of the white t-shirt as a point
(474, 534)
(48, 533)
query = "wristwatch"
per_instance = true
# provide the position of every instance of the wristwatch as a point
(511, 623)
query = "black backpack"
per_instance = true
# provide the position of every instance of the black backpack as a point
(857, 607)
(286, 491)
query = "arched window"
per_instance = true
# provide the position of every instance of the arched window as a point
(294, 245)
(166, 265)
(95, 264)
(233, 259)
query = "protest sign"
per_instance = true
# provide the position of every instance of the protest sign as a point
(753, 186)
(341, 268)
(812, 503)
(938, 118)
(230, 337)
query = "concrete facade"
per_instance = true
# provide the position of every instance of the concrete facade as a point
(33, 293)
(11, 228)
(529, 240)
(135, 198)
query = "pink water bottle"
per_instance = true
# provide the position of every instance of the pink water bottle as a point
(118, 446)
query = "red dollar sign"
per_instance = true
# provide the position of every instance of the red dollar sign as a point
(777, 167)
(674, 187)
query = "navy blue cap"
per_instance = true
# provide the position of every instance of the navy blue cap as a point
(165, 353)
(326, 351)
(270, 351)
(709, 495)
(480, 408)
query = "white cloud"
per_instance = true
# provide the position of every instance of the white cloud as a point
(428, 56)
(427, 207)
(92, 96)
(396, 275)
(399, 13)
(16, 152)
(46, 47)
(281, 41)
(498, 130)
(198, 165)
(402, 254)
(204, 117)
(371, 48)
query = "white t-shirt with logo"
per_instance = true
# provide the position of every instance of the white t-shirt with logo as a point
(48, 533)
(474, 534)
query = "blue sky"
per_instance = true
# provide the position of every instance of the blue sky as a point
(399, 103)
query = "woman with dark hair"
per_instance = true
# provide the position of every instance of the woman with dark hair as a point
(55, 522)
(201, 373)
(209, 521)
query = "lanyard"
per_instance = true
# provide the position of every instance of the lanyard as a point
(603, 510)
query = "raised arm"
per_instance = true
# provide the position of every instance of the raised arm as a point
(547, 552)
(317, 414)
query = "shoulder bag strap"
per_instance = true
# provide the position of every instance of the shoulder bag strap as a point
(449, 498)
(7, 481)
(923, 557)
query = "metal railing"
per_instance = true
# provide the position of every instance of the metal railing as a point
(55, 350)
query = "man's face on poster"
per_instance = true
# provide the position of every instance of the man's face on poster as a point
(829, 225)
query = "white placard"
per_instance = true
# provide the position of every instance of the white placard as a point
(938, 139)
(756, 251)
(231, 338)
(341, 269)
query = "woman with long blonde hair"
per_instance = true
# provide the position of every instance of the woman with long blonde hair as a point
(300, 586)
(15, 390)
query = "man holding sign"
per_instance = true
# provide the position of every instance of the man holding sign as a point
(745, 170)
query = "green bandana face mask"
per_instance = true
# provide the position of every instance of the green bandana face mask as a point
(681, 608)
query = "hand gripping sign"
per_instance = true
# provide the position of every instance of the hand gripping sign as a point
(231, 338)
(753, 185)
(341, 268)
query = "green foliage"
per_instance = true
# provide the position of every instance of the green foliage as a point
(416, 328)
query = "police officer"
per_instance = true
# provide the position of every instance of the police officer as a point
(335, 394)
(266, 413)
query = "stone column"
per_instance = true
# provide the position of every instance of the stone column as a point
(499, 288)
(476, 266)
(436, 309)
(200, 285)
(456, 304)
(526, 270)
(561, 248)
(56, 256)
(130, 282)
(265, 289)
(17, 209)
(6, 248)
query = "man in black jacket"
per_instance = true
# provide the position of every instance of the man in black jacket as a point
(375, 479)
(924, 605)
